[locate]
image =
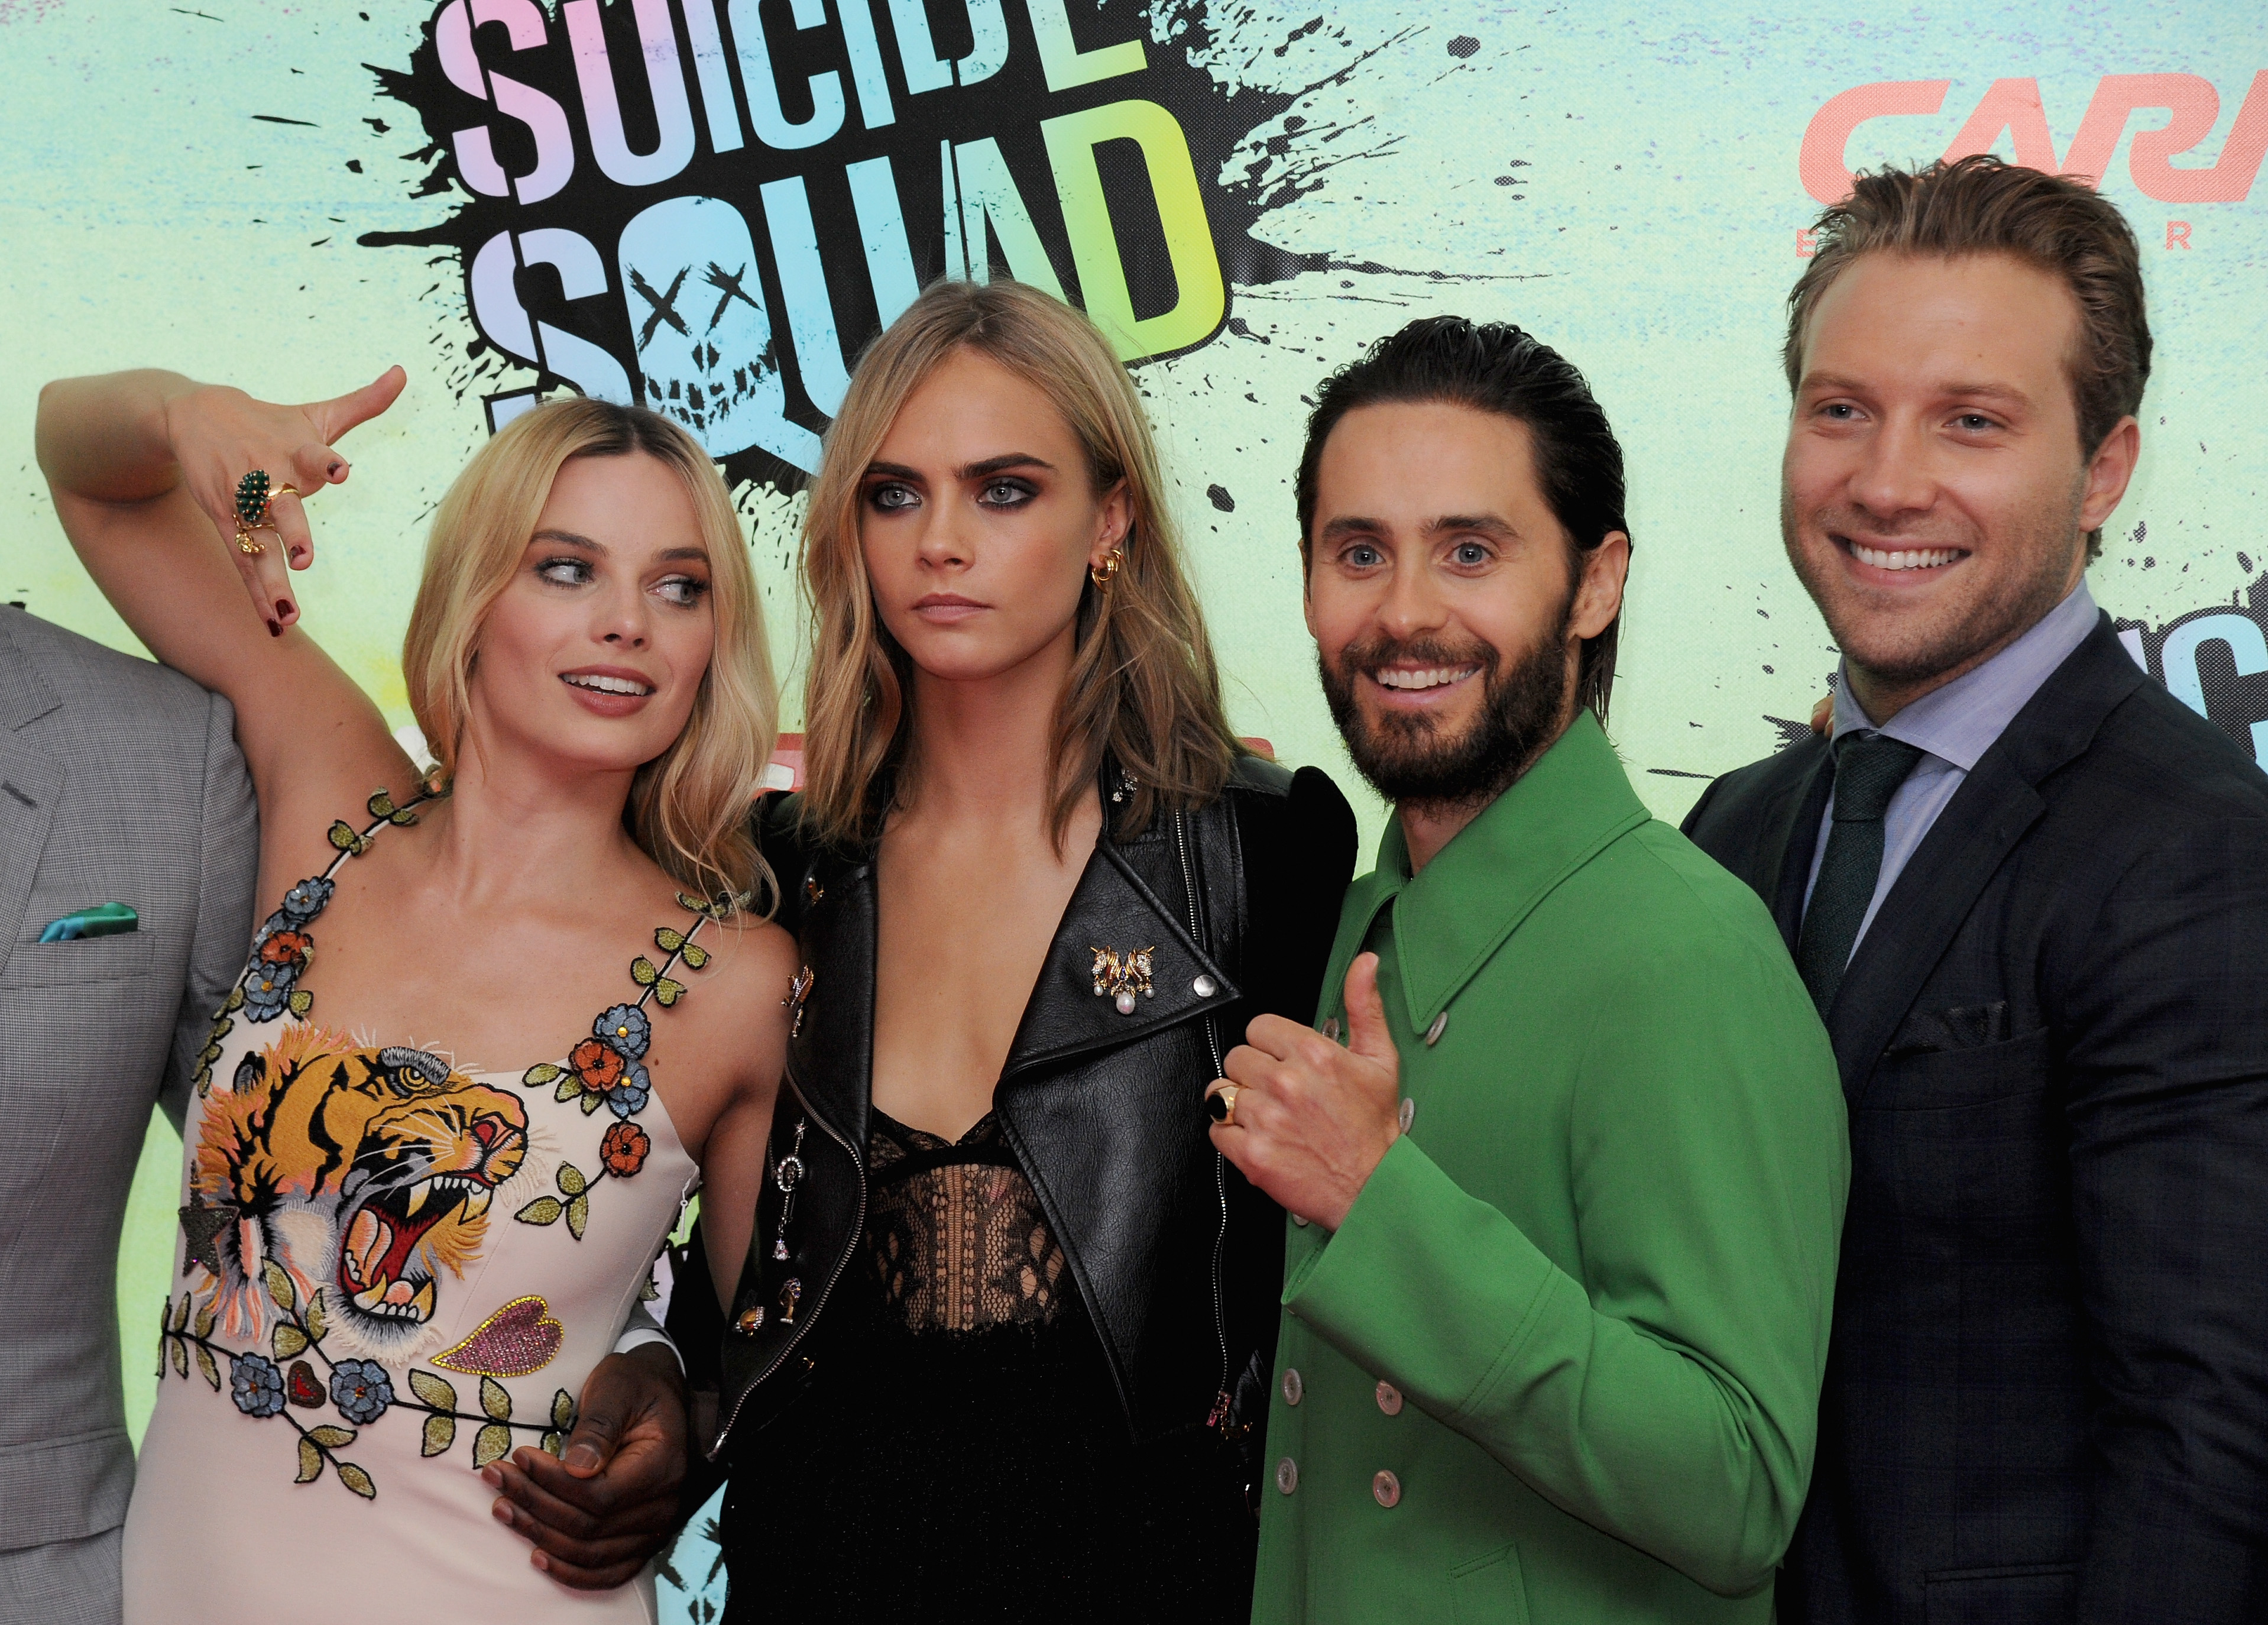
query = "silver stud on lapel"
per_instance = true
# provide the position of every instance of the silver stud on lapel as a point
(1409, 1113)
(1440, 1025)
(1204, 987)
(1332, 1027)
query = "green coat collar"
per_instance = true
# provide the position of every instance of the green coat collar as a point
(1573, 804)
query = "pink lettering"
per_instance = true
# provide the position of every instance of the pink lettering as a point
(2193, 102)
(1825, 174)
(2178, 233)
(2227, 181)
(602, 111)
(2011, 104)
(546, 120)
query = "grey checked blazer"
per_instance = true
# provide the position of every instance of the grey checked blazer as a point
(119, 782)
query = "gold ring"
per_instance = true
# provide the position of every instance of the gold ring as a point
(248, 546)
(1221, 1103)
(287, 490)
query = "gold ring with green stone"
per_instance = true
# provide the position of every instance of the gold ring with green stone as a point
(252, 493)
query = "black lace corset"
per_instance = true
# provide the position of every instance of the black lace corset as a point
(955, 1233)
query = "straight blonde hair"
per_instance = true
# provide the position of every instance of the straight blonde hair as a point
(1143, 686)
(689, 808)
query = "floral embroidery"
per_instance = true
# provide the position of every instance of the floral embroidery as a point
(281, 947)
(361, 1389)
(608, 1067)
(306, 900)
(624, 1149)
(598, 1066)
(268, 991)
(289, 949)
(371, 1268)
(361, 1392)
(625, 1025)
(255, 1385)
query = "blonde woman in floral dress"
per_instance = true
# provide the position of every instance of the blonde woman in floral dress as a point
(496, 1018)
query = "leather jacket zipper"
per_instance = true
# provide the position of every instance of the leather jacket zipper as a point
(1220, 1404)
(857, 1229)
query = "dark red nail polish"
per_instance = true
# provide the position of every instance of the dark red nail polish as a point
(274, 631)
(298, 553)
(283, 609)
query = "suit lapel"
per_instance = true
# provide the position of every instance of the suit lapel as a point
(1997, 802)
(1934, 892)
(1790, 834)
(31, 783)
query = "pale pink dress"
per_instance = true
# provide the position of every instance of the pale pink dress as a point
(393, 1267)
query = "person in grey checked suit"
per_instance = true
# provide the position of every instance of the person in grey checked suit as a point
(119, 782)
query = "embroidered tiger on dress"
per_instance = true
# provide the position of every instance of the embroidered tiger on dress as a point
(365, 1173)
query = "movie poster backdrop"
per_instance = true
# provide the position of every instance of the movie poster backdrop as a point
(710, 206)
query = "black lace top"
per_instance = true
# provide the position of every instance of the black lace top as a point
(955, 1232)
(959, 1452)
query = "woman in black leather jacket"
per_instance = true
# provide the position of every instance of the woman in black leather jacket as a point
(999, 1347)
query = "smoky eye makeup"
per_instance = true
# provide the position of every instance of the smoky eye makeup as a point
(1005, 492)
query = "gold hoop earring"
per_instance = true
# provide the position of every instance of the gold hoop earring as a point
(1107, 571)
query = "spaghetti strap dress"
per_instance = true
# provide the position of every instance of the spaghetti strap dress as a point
(393, 1267)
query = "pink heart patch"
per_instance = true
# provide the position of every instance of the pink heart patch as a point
(519, 1339)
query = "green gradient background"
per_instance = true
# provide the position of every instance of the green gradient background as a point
(150, 217)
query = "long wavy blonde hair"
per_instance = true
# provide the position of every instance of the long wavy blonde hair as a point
(1143, 684)
(689, 808)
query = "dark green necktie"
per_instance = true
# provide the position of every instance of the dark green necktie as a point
(1868, 770)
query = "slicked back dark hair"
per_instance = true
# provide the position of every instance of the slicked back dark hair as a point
(1493, 366)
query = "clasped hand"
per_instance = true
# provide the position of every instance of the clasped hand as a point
(611, 1502)
(1312, 1119)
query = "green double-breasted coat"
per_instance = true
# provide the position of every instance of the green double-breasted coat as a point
(1562, 1361)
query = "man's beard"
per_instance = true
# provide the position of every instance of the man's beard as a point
(1405, 756)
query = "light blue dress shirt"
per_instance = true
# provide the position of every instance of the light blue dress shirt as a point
(1953, 726)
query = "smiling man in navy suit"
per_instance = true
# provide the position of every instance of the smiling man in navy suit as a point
(2028, 891)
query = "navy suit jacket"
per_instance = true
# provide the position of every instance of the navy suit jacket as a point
(2047, 1390)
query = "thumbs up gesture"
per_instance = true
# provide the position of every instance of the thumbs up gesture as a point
(1304, 1120)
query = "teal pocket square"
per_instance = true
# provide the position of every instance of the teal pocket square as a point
(102, 919)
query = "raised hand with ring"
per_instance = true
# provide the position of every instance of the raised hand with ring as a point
(253, 511)
(247, 462)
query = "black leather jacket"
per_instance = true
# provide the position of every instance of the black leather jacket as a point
(1178, 1260)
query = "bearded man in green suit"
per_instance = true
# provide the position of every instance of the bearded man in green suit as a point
(1566, 1200)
